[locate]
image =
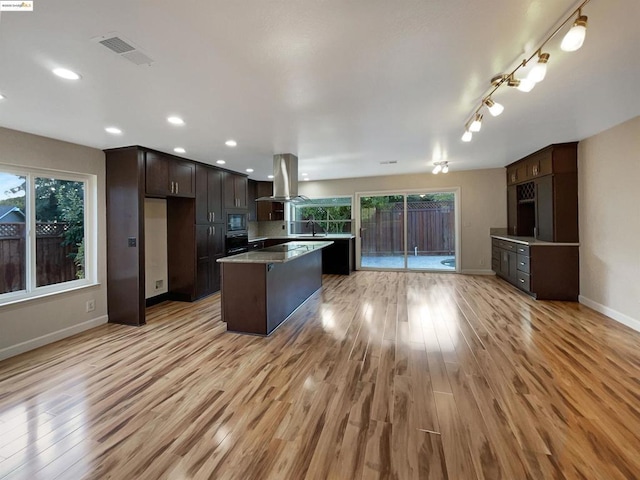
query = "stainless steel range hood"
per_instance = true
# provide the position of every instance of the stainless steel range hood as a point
(285, 180)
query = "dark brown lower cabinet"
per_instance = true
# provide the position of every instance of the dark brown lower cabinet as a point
(544, 271)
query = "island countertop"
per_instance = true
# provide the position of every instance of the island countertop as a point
(278, 253)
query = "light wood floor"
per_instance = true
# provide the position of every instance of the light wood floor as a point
(379, 375)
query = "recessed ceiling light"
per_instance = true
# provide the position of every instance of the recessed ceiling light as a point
(231, 143)
(113, 130)
(269, 176)
(306, 179)
(220, 162)
(2, 97)
(179, 150)
(175, 120)
(249, 170)
(67, 74)
(305, 174)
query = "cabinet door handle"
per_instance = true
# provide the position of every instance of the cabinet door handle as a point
(213, 230)
(522, 263)
(213, 216)
(171, 188)
(521, 280)
(176, 188)
(269, 215)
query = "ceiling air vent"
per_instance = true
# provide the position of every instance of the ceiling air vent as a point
(124, 48)
(391, 162)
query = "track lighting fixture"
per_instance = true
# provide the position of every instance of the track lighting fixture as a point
(574, 38)
(539, 70)
(572, 41)
(440, 167)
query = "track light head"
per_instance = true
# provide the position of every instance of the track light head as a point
(495, 108)
(574, 38)
(539, 70)
(440, 167)
(476, 125)
(467, 136)
(524, 84)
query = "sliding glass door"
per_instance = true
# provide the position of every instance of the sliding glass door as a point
(382, 229)
(408, 231)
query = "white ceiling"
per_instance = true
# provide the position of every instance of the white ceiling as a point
(344, 84)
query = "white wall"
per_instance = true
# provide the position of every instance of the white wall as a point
(155, 246)
(32, 323)
(483, 204)
(609, 200)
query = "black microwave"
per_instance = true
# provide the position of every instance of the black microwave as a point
(236, 221)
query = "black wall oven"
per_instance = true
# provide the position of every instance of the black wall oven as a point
(236, 242)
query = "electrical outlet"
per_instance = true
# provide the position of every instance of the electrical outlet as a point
(159, 284)
(91, 305)
(482, 261)
(283, 226)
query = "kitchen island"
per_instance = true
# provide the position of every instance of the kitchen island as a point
(261, 288)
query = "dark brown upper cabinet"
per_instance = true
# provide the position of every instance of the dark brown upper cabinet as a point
(169, 177)
(235, 190)
(542, 194)
(252, 194)
(268, 210)
(208, 195)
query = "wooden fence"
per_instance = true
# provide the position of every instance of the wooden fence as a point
(54, 263)
(430, 229)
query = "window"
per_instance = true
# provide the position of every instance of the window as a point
(46, 242)
(328, 215)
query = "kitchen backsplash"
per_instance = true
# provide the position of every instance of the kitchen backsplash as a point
(267, 229)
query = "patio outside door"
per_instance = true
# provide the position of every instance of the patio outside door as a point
(414, 231)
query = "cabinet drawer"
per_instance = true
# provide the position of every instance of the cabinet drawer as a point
(524, 281)
(523, 263)
(522, 250)
(508, 246)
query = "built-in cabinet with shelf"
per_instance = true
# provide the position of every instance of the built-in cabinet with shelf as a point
(542, 209)
(542, 194)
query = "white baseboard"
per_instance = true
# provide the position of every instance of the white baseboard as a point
(611, 313)
(14, 350)
(478, 272)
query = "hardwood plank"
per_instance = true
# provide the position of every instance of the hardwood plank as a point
(377, 375)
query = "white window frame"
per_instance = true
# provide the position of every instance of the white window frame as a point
(90, 234)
